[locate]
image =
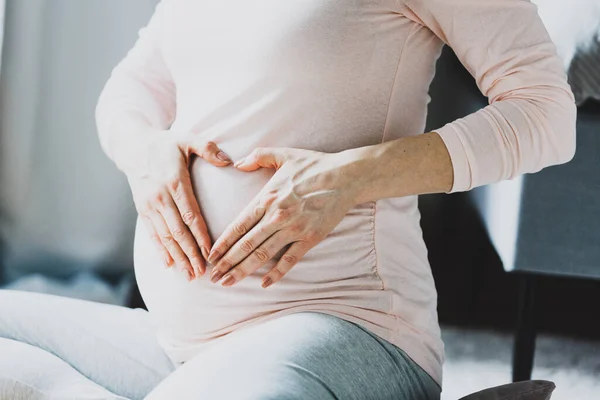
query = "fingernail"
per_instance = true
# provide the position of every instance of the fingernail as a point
(239, 162)
(167, 262)
(223, 157)
(229, 280)
(204, 252)
(215, 275)
(213, 256)
(267, 282)
(190, 276)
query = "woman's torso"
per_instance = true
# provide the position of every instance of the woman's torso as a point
(325, 75)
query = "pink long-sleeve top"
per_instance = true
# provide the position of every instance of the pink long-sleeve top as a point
(329, 75)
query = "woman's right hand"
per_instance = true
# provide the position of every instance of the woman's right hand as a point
(157, 168)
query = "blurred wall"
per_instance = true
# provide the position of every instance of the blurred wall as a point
(63, 205)
(1, 29)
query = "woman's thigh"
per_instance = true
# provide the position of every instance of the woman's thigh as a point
(114, 347)
(306, 355)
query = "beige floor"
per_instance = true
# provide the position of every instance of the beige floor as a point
(476, 360)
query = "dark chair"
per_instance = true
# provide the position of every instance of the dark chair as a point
(540, 224)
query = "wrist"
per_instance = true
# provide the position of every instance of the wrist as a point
(365, 163)
(403, 167)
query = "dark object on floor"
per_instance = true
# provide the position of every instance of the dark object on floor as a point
(548, 223)
(584, 73)
(527, 390)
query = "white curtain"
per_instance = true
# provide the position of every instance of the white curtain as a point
(63, 206)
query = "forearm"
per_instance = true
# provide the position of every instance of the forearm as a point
(403, 167)
(139, 96)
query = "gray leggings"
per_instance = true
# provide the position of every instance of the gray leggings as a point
(57, 348)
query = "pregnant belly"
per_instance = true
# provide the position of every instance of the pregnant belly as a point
(332, 272)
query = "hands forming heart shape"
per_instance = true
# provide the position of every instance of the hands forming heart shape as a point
(302, 203)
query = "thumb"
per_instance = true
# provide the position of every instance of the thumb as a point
(263, 157)
(208, 151)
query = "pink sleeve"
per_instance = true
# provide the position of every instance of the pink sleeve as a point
(530, 122)
(140, 85)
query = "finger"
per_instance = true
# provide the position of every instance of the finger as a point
(182, 235)
(190, 214)
(208, 151)
(163, 231)
(234, 231)
(289, 259)
(263, 157)
(257, 259)
(170, 244)
(242, 249)
(162, 250)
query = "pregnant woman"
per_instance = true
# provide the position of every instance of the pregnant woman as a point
(275, 151)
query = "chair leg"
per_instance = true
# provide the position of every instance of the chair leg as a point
(524, 345)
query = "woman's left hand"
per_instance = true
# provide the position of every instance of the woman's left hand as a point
(302, 203)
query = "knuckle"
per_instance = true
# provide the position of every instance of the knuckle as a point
(276, 273)
(158, 197)
(240, 228)
(246, 246)
(174, 184)
(178, 233)
(188, 217)
(270, 198)
(259, 211)
(175, 188)
(166, 238)
(262, 255)
(209, 149)
(290, 258)
(154, 236)
(263, 229)
(281, 215)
